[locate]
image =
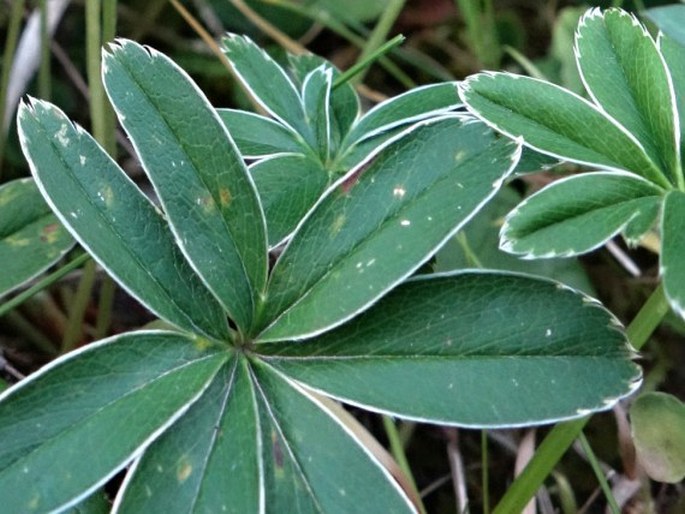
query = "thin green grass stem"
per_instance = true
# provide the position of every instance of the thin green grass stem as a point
(105, 305)
(592, 459)
(95, 87)
(109, 32)
(379, 34)
(397, 451)
(331, 23)
(560, 438)
(362, 64)
(44, 72)
(77, 310)
(45, 282)
(30, 332)
(485, 475)
(13, 27)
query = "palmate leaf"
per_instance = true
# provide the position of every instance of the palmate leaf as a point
(200, 178)
(380, 224)
(85, 415)
(625, 73)
(554, 121)
(470, 349)
(113, 220)
(579, 213)
(283, 448)
(31, 237)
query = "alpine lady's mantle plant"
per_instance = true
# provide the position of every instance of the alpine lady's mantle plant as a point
(215, 416)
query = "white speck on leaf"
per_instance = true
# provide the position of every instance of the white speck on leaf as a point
(398, 192)
(405, 223)
(62, 135)
(548, 332)
(82, 159)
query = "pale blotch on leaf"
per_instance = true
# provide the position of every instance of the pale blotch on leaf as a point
(337, 224)
(61, 135)
(206, 203)
(459, 156)
(106, 196)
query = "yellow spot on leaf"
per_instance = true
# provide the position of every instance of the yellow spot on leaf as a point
(184, 470)
(225, 196)
(202, 343)
(459, 156)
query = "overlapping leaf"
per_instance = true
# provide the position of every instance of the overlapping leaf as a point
(453, 353)
(289, 186)
(258, 136)
(578, 214)
(199, 176)
(382, 223)
(84, 416)
(31, 237)
(673, 249)
(113, 220)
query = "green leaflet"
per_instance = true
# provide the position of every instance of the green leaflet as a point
(674, 55)
(414, 105)
(624, 73)
(258, 136)
(199, 176)
(289, 186)
(658, 429)
(672, 250)
(381, 223)
(555, 121)
(344, 102)
(187, 468)
(113, 220)
(310, 459)
(490, 350)
(31, 237)
(63, 418)
(266, 81)
(578, 214)
(316, 94)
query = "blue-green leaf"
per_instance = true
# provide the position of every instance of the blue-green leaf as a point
(625, 74)
(31, 237)
(578, 214)
(471, 349)
(113, 220)
(673, 249)
(266, 81)
(70, 427)
(382, 222)
(258, 136)
(289, 185)
(554, 121)
(200, 178)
